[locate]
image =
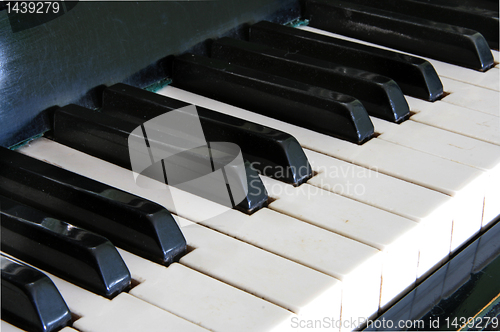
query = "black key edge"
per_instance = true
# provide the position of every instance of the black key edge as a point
(344, 116)
(415, 76)
(53, 245)
(30, 300)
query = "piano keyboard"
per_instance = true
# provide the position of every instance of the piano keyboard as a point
(372, 221)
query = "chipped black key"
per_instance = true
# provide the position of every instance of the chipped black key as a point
(461, 13)
(30, 300)
(122, 142)
(416, 77)
(272, 152)
(74, 254)
(380, 95)
(130, 222)
(290, 101)
(440, 41)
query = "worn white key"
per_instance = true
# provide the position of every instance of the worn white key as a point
(488, 79)
(127, 313)
(199, 298)
(450, 146)
(122, 313)
(309, 293)
(492, 197)
(432, 210)
(358, 266)
(438, 142)
(396, 237)
(470, 96)
(456, 119)
(464, 183)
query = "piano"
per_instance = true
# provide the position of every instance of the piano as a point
(387, 200)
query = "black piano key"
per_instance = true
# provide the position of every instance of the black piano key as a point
(272, 152)
(30, 300)
(415, 76)
(107, 137)
(298, 103)
(457, 12)
(440, 41)
(380, 95)
(74, 254)
(130, 222)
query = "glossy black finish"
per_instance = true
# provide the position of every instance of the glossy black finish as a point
(440, 41)
(380, 95)
(30, 300)
(130, 222)
(416, 77)
(79, 256)
(270, 151)
(107, 137)
(456, 12)
(291, 101)
(105, 42)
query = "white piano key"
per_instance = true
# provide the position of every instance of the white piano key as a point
(438, 142)
(210, 303)
(309, 294)
(432, 210)
(464, 183)
(127, 313)
(396, 237)
(488, 79)
(122, 313)
(358, 266)
(456, 119)
(492, 197)
(496, 56)
(470, 96)
(450, 146)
